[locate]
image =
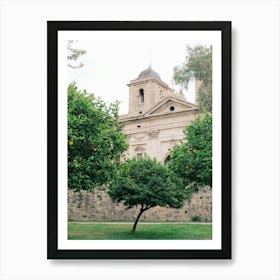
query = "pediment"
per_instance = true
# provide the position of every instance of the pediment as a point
(170, 105)
(139, 149)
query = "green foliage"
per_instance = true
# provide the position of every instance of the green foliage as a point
(95, 140)
(74, 54)
(147, 183)
(196, 219)
(198, 65)
(192, 160)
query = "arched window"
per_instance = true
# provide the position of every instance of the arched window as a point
(167, 159)
(141, 95)
(139, 152)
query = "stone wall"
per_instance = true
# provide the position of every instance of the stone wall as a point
(98, 206)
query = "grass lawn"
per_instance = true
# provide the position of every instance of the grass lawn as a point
(80, 231)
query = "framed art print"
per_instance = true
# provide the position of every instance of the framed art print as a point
(139, 140)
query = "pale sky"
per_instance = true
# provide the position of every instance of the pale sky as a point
(110, 65)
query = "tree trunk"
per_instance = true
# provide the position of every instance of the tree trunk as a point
(136, 221)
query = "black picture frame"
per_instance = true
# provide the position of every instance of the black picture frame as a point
(53, 27)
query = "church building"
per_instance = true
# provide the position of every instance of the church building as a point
(154, 124)
(156, 118)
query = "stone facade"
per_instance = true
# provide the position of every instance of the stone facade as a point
(98, 206)
(156, 117)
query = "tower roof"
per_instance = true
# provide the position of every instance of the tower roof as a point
(149, 72)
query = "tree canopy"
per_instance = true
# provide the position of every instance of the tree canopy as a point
(95, 140)
(192, 160)
(146, 183)
(198, 65)
(73, 55)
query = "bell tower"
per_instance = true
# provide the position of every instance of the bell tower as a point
(145, 91)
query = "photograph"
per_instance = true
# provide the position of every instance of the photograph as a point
(136, 142)
(139, 115)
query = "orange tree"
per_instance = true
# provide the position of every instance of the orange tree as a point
(146, 183)
(192, 159)
(95, 140)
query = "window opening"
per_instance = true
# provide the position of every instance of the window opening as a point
(139, 155)
(167, 159)
(141, 95)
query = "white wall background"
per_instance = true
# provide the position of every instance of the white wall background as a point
(255, 140)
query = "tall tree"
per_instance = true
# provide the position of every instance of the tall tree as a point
(198, 65)
(95, 140)
(192, 160)
(73, 55)
(146, 183)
